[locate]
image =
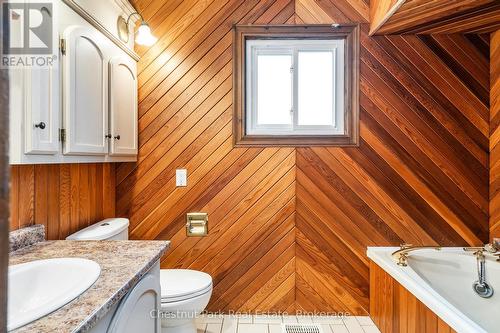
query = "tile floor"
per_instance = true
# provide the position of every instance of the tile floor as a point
(210, 323)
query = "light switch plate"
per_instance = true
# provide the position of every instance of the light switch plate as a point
(181, 177)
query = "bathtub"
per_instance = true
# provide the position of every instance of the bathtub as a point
(442, 280)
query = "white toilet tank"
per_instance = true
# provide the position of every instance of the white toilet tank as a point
(108, 229)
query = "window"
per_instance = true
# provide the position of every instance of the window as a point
(295, 85)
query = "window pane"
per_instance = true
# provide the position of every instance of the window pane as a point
(315, 85)
(274, 89)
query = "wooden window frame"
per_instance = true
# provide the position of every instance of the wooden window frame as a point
(348, 32)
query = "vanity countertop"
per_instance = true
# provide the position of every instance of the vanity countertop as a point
(123, 264)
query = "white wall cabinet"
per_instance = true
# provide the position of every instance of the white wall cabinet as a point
(41, 111)
(83, 110)
(123, 106)
(34, 103)
(85, 90)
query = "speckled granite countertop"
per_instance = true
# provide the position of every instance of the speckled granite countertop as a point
(123, 264)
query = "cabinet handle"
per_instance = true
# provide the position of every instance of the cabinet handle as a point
(108, 136)
(117, 137)
(40, 125)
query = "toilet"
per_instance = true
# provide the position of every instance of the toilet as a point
(184, 293)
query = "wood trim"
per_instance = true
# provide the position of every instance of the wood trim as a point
(349, 32)
(394, 309)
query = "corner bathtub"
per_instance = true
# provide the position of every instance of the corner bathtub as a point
(442, 280)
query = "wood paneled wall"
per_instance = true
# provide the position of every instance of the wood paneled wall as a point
(394, 309)
(289, 227)
(63, 197)
(495, 135)
(434, 17)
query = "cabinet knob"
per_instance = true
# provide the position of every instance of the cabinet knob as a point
(108, 136)
(40, 125)
(117, 137)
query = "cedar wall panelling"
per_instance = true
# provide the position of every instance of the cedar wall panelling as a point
(394, 309)
(63, 197)
(434, 17)
(381, 11)
(289, 227)
(495, 135)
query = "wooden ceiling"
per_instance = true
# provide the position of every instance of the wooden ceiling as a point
(288, 228)
(434, 16)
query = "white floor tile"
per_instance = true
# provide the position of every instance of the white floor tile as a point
(252, 328)
(245, 319)
(326, 328)
(210, 318)
(365, 320)
(200, 327)
(352, 325)
(370, 329)
(289, 319)
(327, 320)
(267, 319)
(272, 324)
(339, 329)
(230, 324)
(275, 328)
(213, 328)
(304, 319)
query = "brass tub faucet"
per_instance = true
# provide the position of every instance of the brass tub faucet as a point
(401, 255)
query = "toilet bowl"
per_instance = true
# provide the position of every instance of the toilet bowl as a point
(185, 293)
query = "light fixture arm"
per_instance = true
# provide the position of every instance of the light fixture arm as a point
(134, 13)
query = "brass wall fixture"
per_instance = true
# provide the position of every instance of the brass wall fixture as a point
(197, 224)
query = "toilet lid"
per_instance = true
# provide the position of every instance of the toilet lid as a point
(183, 283)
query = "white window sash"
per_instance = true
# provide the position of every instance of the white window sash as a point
(293, 47)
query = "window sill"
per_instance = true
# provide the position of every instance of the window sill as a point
(296, 141)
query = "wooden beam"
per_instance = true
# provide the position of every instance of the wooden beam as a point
(433, 17)
(381, 11)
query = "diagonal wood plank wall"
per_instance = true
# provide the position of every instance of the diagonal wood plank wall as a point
(495, 135)
(289, 227)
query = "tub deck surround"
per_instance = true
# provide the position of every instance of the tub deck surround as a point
(394, 309)
(26, 236)
(419, 285)
(123, 264)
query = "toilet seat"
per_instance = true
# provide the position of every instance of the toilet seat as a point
(182, 284)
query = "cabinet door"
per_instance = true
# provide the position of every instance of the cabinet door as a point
(123, 106)
(34, 101)
(85, 91)
(139, 310)
(41, 111)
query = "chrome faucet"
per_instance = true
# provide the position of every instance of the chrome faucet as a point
(401, 255)
(494, 248)
(480, 286)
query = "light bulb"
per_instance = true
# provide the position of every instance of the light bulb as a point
(144, 36)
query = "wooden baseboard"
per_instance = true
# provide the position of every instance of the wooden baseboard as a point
(395, 310)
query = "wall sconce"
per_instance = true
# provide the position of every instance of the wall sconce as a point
(143, 35)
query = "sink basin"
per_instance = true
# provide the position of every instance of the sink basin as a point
(39, 287)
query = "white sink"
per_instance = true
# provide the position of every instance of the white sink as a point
(39, 287)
